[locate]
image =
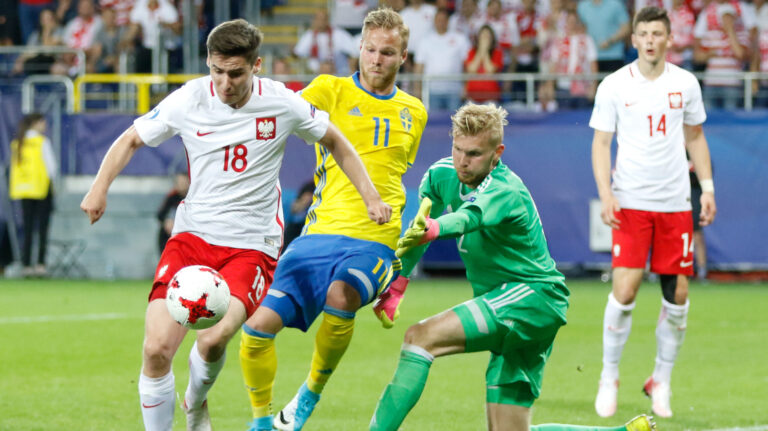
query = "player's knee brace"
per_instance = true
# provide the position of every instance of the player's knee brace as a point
(668, 287)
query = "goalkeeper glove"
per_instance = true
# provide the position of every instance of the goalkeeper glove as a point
(423, 230)
(387, 305)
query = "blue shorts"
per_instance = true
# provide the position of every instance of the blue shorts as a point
(312, 262)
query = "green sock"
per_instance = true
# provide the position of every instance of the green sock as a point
(404, 391)
(559, 427)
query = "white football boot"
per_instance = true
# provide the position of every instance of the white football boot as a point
(197, 419)
(659, 392)
(605, 402)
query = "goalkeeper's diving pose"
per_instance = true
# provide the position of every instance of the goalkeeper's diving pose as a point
(520, 298)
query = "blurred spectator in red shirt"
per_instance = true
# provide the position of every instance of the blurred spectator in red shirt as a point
(80, 33)
(485, 57)
(122, 10)
(682, 20)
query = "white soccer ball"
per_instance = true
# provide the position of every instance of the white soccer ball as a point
(197, 297)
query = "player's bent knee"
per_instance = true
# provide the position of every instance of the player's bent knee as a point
(343, 296)
(418, 335)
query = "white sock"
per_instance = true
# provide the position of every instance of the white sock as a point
(157, 401)
(617, 323)
(202, 375)
(670, 333)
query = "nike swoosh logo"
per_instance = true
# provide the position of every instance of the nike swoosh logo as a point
(629, 104)
(151, 406)
(203, 134)
(685, 264)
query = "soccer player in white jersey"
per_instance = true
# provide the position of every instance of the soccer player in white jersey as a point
(234, 128)
(655, 108)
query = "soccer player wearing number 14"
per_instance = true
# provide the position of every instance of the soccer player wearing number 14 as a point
(656, 110)
(234, 127)
(519, 298)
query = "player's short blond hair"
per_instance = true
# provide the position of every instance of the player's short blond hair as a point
(475, 120)
(386, 18)
(236, 38)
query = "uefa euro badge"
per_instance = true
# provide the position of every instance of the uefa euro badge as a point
(265, 128)
(405, 119)
(675, 100)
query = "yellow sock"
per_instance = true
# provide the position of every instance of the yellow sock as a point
(331, 342)
(258, 361)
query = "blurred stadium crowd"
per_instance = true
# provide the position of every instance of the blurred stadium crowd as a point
(554, 39)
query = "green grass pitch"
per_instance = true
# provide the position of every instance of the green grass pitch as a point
(70, 353)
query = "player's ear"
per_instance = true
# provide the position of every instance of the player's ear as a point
(499, 151)
(257, 66)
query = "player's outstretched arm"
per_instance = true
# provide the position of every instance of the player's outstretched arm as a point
(601, 168)
(353, 167)
(698, 149)
(120, 153)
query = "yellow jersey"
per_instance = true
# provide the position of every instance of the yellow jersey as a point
(385, 131)
(29, 177)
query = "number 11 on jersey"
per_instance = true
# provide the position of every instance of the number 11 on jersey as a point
(378, 122)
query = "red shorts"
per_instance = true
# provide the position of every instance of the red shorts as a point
(668, 236)
(248, 273)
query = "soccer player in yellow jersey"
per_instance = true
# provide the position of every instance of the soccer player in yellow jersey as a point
(342, 261)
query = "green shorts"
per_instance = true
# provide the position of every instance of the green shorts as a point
(517, 323)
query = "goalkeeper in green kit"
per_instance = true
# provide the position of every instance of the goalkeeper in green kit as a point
(519, 297)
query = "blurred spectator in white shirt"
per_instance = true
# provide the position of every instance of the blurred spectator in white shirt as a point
(442, 52)
(324, 43)
(420, 18)
(156, 21)
(467, 19)
(349, 14)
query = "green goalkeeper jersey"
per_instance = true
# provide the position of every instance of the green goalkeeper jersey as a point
(497, 229)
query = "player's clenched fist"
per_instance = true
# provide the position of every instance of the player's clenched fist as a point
(93, 205)
(380, 212)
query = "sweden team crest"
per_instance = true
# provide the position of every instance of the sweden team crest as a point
(406, 119)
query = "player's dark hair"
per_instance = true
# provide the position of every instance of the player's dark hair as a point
(236, 38)
(25, 124)
(652, 13)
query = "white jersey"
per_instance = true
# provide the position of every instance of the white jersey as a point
(648, 116)
(234, 158)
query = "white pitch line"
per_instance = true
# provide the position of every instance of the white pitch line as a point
(62, 318)
(752, 428)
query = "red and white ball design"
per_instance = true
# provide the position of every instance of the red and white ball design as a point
(198, 297)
